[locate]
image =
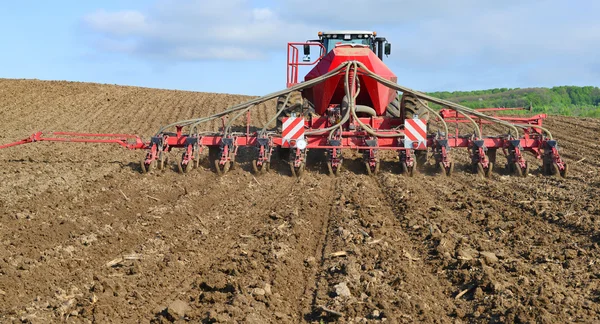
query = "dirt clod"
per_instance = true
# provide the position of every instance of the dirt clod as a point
(570, 253)
(490, 258)
(342, 290)
(258, 292)
(466, 254)
(178, 309)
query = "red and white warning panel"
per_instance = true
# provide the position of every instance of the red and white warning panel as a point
(415, 133)
(292, 130)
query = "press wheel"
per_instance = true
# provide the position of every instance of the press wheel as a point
(162, 161)
(297, 172)
(265, 167)
(408, 171)
(222, 169)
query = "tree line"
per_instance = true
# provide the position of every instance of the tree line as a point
(563, 100)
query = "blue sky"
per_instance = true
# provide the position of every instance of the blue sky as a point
(239, 46)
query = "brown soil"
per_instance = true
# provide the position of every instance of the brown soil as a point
(85, 237)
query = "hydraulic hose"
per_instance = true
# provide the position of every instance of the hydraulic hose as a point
(366, 109)
(346, 115)
(366, 127)
(238, 115)
(287, 99)
(449, 104)
(195, 122)
(352, 107)
(475, 126)
(436, 114)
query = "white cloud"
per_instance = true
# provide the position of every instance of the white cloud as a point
(197, 30)
(263, 14)
(471, 37)
(117, 23)
(349, 13)
(221, 52)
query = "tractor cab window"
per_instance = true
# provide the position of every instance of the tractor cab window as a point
(332, 40)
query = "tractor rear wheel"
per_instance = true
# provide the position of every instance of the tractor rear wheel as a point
(412, 106)
(393, 108)
(296, 105)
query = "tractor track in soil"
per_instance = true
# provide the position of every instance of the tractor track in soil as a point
(378, 260)
(262, 249)
(317, 262)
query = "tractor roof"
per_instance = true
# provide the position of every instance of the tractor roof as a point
(338, 32)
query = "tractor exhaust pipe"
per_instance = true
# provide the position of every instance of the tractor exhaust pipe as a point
(379, 42)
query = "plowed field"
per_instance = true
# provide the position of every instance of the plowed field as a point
(85, 237)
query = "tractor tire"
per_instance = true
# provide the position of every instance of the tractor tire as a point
(412, 106)
(393, 108)
(296, 105)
